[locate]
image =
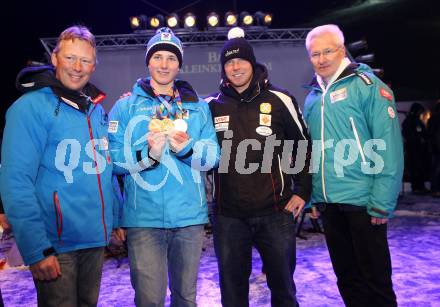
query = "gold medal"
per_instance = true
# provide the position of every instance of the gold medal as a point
(167, 125)
(155, 125)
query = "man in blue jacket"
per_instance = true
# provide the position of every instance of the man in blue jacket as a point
(161, 138)
(357, 167)
(56, 173)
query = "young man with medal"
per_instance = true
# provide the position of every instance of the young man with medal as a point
(161, 138)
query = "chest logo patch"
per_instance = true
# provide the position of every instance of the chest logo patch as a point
(265, 119)
(221, 126)
(221, 119)
(264, 131)
(265, 107)
(113, 126)
(104, 143)
(338, 95)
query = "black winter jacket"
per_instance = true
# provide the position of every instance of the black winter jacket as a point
(253, 178)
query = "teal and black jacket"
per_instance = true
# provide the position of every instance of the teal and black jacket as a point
(357, 145)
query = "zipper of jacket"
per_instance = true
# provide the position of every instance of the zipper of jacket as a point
(58, 214)
(200, 194)
(358, 142)
(98, 177)
(322, 134)
(281, 175)
(322, 147)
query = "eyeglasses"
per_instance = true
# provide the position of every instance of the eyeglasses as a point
(71, 59)
(325, 53)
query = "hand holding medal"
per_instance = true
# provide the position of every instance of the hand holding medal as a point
(173, 130)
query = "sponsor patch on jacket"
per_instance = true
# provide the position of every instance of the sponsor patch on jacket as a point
(265, 107)
(221, 119)
(221, 126)
(185, 114)
(391, 112)
(265, 119)
(387, 95)
(104, 143)
(113, 126)
(264, 131)
(338, 95)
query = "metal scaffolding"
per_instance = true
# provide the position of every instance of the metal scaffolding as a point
(208, 37)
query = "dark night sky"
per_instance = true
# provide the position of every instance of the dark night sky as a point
(403, 34)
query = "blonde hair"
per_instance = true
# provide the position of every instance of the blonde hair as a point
(76, 32)
(325, 29)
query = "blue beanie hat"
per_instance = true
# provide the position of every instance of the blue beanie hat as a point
(164, 39)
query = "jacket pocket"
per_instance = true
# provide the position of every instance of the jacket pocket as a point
(58, 214)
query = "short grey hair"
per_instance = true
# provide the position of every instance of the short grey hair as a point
(325, 29)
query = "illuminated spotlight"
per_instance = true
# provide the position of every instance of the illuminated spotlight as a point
(189, 21)
(138, 22)
(213, 20)
(246, 19)
(366, 58)
(157, 21)
(172, 20)
(230, 19)
(358, 45)
(263, 19)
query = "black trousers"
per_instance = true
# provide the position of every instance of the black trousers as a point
(360, 256)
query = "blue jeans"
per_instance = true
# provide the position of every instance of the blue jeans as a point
(155, 254)
(79, 282)
(274, 238)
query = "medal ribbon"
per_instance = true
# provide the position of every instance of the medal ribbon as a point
(167, 107)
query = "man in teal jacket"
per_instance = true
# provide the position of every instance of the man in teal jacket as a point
(357, 167)
(161, 138)
(56, 173)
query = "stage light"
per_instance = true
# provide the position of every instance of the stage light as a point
(366, 58)
(246, 19)
(358, 45)
(189, 21)
(230, 19)
(173, 21)
(213, 20)
(263, 19)
(138, 22)
(157, 21)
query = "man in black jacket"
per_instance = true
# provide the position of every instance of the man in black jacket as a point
(256, 204)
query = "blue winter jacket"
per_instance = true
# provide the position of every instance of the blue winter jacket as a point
(55, 177)
(357, 145)
(171, 193)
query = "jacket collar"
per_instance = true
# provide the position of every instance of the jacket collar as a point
(346, 69)
(34, 78)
